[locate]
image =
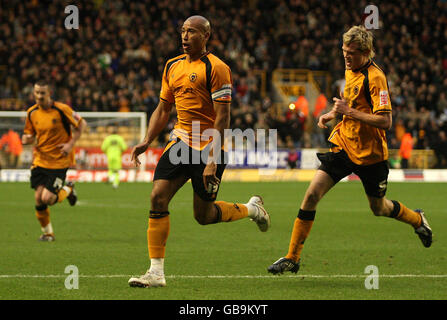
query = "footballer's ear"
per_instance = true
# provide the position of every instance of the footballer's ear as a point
(207, 35)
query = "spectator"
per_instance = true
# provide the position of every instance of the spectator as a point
(320, 105)
(292, 159)
(406, 147)
(12, 144)
(114, 62)
(440, 149)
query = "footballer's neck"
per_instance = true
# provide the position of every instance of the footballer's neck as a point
(47, 104)
(196, 56)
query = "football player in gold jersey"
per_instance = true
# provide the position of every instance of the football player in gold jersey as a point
(54, 127)
(199, 85)
(358, 145)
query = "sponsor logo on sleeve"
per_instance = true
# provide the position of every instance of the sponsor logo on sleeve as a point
(383, 98)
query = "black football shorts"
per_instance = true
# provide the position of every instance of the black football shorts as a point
(180, 159)
(51, 179)
(374, 177)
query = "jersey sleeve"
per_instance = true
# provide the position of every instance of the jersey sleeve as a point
(380, 96)
(29, 129)
(221, 83)
(73, 117)
(166, 92)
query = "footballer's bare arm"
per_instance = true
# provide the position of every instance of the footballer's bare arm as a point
(65, 148)
(221, 123)
(382, 120)
(157, 123)
(325, 118)
(27, 138)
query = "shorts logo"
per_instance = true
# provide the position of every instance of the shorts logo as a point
(383, 98)
(356, 90)
(57, 183)
(193, 77)
(383, 184)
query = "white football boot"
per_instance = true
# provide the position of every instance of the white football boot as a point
(147, 280)
(261, 217)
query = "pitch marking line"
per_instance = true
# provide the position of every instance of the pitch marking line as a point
(230, 276)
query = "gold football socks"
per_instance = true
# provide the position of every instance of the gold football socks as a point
(402, 213)
(301, 229)
(157, 233)
(230, 211)
(63, 193)
(43, 215)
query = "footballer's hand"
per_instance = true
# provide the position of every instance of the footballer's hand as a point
(65, 148)
(136, 151)
(325, 118)
(210, 181)
(341, 105)
(27, 138)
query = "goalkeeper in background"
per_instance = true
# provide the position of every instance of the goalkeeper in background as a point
(113, 146)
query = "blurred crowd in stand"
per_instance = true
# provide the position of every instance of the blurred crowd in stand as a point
(114, 61)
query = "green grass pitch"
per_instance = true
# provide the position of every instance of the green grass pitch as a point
(104, 236)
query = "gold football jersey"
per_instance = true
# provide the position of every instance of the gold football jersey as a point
(51, 127)
(193, 86)
(366, 90)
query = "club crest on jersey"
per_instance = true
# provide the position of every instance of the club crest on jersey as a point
(193, 77)
(356, 90)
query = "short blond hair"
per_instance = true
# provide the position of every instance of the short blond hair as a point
(361, 36)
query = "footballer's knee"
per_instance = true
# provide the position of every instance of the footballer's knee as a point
(312, 198)
(159, 202)
(203, 217)
(205, 212)
(48, 198)
(378, 210)
(38, 200)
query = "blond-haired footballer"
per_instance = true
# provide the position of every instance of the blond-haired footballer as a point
(358, 144)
